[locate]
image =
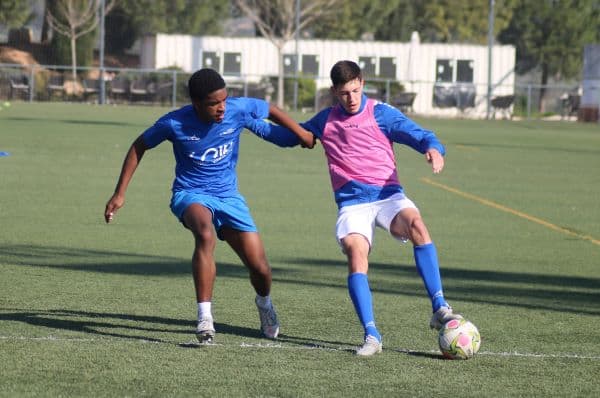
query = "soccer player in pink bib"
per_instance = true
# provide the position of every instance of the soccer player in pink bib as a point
(357, 135)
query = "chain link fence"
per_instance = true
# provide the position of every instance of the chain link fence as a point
(122, 86)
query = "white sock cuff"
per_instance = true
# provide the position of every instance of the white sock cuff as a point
(263, 302)
(204, 309)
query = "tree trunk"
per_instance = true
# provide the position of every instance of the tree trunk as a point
(280, 93)
(542, 107)
(74, 58)
(45, 26)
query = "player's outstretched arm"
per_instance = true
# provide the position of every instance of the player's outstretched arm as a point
(132, 160)
(283, 119)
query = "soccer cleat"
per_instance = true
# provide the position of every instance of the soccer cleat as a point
(441, 316)
(370, 347)
(205, 332)
(269, 324)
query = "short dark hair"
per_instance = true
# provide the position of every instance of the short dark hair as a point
(345, 71)
(203, 82)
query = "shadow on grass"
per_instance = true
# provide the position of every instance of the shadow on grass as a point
(74, 121)
(530, 147)
(421, 354)
(145, 328)
(106, 261)
(522, 290)
(561, 293)
(306, 342)
(116, 325)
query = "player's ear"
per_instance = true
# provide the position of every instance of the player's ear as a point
(333, 92)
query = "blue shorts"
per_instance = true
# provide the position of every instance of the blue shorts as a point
(230, 211)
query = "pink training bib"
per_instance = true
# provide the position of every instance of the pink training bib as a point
(357, 149)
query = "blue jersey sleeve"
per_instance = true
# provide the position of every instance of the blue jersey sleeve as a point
(282, 136)
(255, 111)
(157, 133)
(254, 108)
(399, 128)
(316, 125)
(273, 133)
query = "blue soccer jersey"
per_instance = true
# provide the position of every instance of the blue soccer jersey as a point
(206, 154)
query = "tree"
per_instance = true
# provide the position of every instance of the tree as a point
(399, 24)
(549, 35)
(121, 31)
(448, 21)
(440, 21)
(75, 18)
(14, 13)
(365, 16)
(176, 16)
(276, 20)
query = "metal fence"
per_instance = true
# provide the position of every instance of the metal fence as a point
(119, 86)
(40, 83)
(151, 86)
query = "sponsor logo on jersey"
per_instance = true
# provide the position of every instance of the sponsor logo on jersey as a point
(230, 130)
(216, 154)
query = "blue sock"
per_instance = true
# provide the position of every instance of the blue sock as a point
(358, 287)
(426, 260)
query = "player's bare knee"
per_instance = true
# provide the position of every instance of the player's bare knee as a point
(204, 237)
(419, 234)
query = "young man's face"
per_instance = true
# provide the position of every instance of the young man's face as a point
(212, 108)
(349, 95)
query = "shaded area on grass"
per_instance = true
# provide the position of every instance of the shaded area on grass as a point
(74, 121)
(561, 293)
(144, 328)
(117, 325)
(527, 148)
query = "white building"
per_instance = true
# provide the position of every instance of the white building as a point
(449, 79)
(590, 100)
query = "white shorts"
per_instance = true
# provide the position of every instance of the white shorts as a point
(363, 218)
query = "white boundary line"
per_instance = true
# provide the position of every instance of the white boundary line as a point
(281, 345)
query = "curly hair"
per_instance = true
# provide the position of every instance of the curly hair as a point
(203, 82)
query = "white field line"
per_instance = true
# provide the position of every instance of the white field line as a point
(281, 345)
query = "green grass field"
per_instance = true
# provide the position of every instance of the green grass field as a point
(89, 309)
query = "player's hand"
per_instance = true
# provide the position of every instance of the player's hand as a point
(114, 204)
(435, 158)
(311, 144)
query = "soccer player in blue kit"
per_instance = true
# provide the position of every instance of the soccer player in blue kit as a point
(205, 136)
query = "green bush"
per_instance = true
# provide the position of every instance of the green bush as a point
(307, 89)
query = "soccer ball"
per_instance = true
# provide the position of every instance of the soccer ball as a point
(459, 339)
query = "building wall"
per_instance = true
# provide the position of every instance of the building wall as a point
(415, 63)
(591, 76)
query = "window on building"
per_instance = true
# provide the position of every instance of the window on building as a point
(210, 59)
(232, 63)
(454, 86)
(289, 64)
(310, 65)
(464, 71)
(387, 67)
(367, 64)
(444, 71)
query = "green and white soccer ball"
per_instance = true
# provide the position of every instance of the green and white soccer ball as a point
(459, 339)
